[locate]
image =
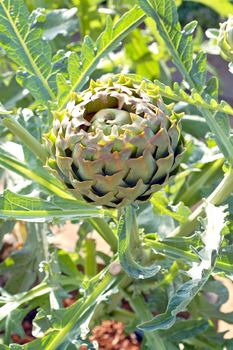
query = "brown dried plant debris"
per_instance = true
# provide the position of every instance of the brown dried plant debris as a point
(110, 335)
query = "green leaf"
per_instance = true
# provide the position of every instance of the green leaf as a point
(40, 175)
(199, 273)
(92, 53)
(60, 21)
(189, 28)
(67, 266)
(179, 42)
(25, 46)
(194, 125)
(14, 324)
(63, 87)
(178, 302)
(22, 265)
(223, 7)
(185, 329)
(128, 239)
(88, 52)
(74, 67)
(224, 122)
(161, 205)
(213, 310)
(12, 302)
(198, 71)
(176, 93)
(105, 37)
(165, 15)
(14, 206)
(66, 323)
(212, 88)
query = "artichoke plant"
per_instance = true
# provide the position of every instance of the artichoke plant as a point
(225, 39)
(114, 144)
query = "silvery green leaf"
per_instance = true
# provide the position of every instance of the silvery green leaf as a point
(199, 273)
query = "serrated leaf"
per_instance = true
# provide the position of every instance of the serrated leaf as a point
(199, 273)
(88, 51)
(107, 42)
(74, 67)
(106, 36)
(63, 86)
(14, 206)
(194, 98)
(126, 246)
(40, 175)
(179, 42)
(212, 87)
(60, 21)
(25, 46)
(66, 324)
(198, 71)
(161, 205)
(33, 84)
(223, 121)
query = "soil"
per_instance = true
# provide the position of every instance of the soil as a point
(110, 335)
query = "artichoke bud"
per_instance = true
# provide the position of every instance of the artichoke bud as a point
(225, 39)
(115, 143)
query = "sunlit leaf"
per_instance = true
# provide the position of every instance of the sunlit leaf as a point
(14, 206)
(25, 46)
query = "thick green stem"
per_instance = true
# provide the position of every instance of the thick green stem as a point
(101, 226)
(195, 187)
(90, 258)
(221, 193)
(34, 146)
(107, 282)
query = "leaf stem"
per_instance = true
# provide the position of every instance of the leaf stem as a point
(101, 226)
(90, 258)
(195, 186)
(218, 196)
(31, 142)
(105, 284)
(176, 253)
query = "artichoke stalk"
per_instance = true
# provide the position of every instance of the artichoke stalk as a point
(115, 143)
(225, 39)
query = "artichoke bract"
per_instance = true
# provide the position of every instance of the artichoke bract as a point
(225, 39)
(114, 144)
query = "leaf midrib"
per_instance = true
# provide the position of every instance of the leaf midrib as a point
(93, 64)
(213, 126)
(27, 52)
